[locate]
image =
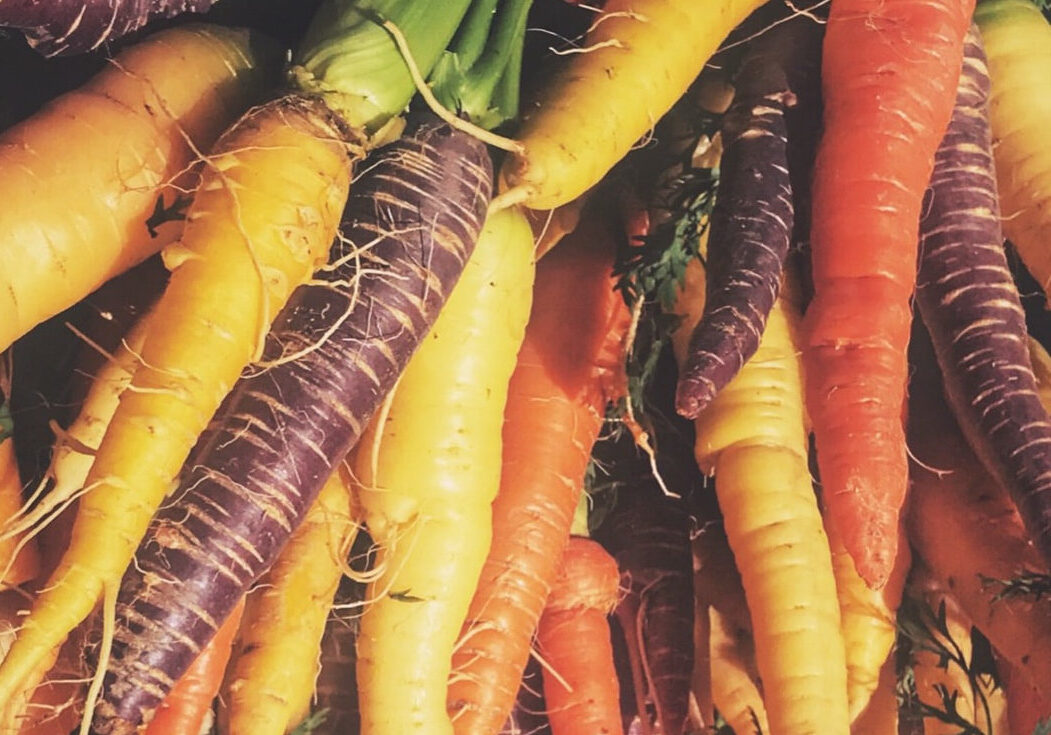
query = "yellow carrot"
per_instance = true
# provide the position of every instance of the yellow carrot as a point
(270, 679)
(1017, 41)
(637, 60)
(428, 470)
(753, 437)
(261, 222)
(110, 149)
(868, 618)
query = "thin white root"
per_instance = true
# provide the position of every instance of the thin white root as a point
(109, 624)
(487, 137)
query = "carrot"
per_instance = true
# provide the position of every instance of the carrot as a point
(271, 676)
(640, 57)
(1017, 40)
(189, 703)
(648, 534)
(573, 638)
(337, 684)
(52, 257)
(332, 356)
(971, 307)
(889, 71)
(262, 220)
(428, 470)
(868, 617)
(754, 438)
(76, 26)
(965, 528)
(569, 366)
(753, 218)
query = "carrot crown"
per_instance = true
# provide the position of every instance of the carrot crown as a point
(351, 59)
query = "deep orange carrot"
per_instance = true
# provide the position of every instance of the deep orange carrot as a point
(890, 70)
(568, 367)
(183, 711)
(580, 682)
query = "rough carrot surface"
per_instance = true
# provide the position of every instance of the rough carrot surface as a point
(890, 69)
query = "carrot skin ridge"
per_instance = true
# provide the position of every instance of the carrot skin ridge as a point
(183, 711)
(76, 26)
(422, 202)
(751, 227)
(973, 312)
(574, 639)
(568, 362)
(890, 70)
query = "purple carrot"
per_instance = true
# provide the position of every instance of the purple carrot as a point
(333, 354)
(649, 535)
(973, 312)
(337, 683)
(55, 27)
(753, 218)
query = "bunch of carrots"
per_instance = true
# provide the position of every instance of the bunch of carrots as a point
(478, 367)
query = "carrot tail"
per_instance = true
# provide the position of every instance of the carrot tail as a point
(751, 226)
(580, 682)
(337, 348)
(184, 710)
(553, 416)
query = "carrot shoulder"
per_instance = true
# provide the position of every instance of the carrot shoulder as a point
(568, 368)
(889, 69)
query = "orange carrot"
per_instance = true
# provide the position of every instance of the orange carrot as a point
(183, 711)
(580, 682)
(890, 70)
(568, 367)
